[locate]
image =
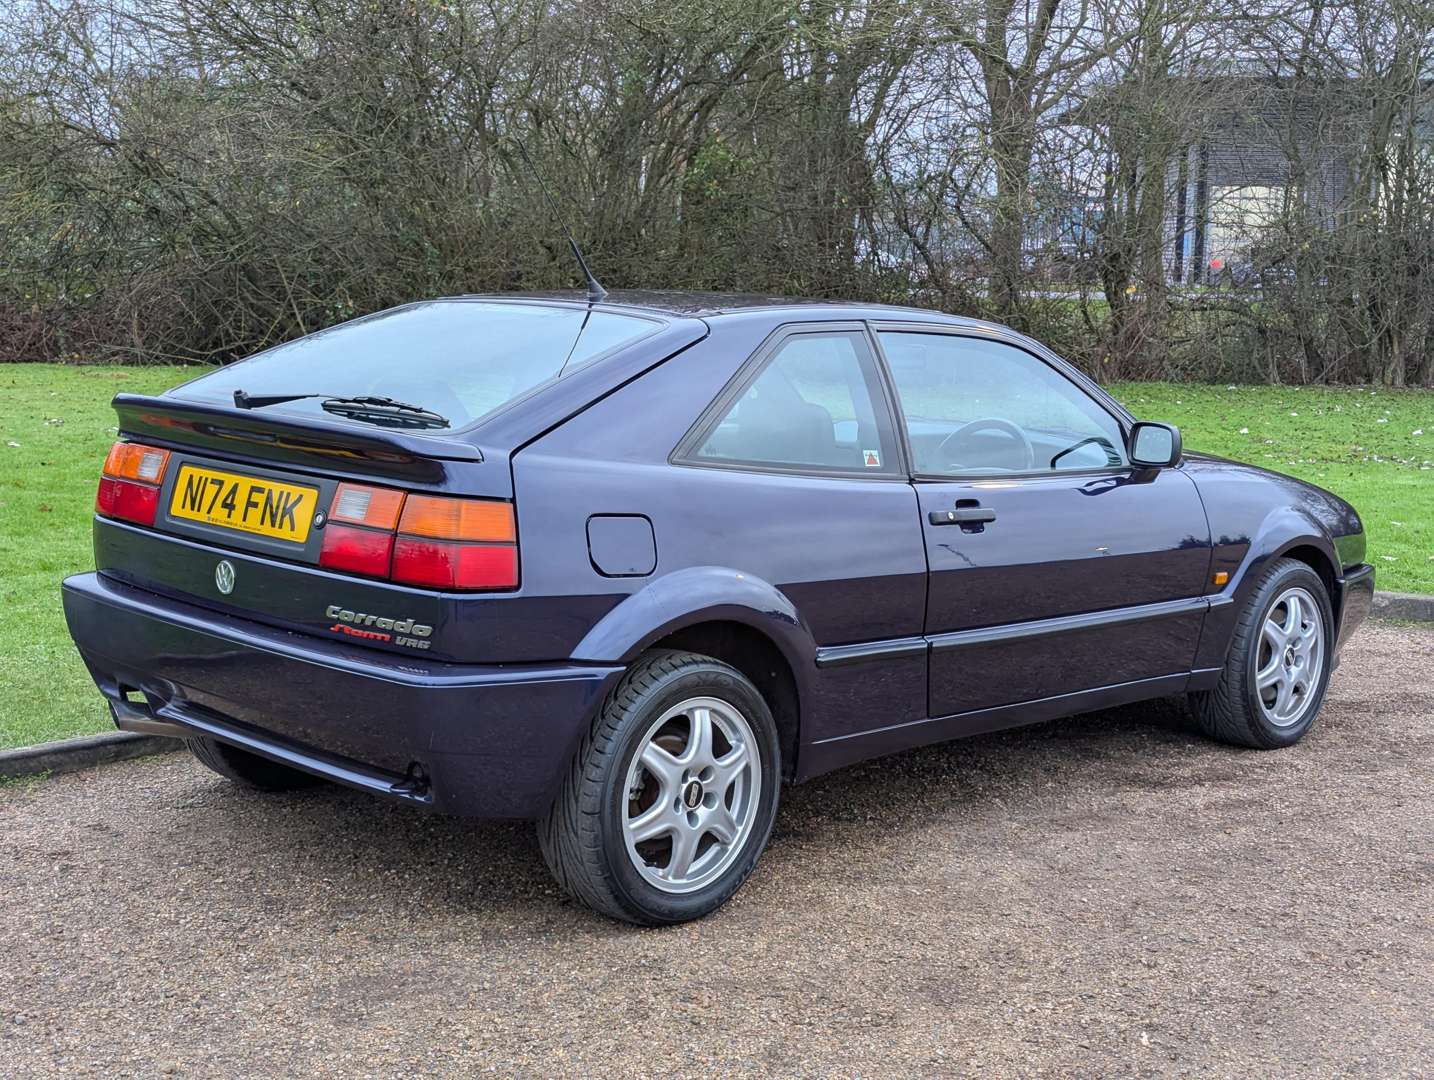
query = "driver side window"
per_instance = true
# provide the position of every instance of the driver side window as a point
(977, 406)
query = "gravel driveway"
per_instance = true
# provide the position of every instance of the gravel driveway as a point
(1104, 895)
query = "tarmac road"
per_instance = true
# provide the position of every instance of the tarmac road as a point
(1109, 895)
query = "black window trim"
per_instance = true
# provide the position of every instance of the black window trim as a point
(883, 406)
(1078, 381)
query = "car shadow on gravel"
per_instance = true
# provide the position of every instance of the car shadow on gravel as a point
(392, 856)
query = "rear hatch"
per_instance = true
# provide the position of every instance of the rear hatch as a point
(365, 493)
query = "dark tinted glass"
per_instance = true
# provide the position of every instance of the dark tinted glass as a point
(811, 406)
(459, 358)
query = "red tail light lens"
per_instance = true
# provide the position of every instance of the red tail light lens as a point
(129, 487)
(443, 564)
(359, 551)
(359, 535)
(132, 502)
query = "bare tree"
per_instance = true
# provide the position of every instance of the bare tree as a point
(200, 178)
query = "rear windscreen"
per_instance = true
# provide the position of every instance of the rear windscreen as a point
(460, 359)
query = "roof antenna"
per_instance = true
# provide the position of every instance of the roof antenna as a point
(595, 290)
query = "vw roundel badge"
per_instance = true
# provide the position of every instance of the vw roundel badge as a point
(224, 577)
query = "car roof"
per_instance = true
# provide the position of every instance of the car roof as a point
(706, 305)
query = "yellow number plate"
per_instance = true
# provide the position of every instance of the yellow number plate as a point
(246, 503)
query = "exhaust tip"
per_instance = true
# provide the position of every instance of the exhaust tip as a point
(131, 715)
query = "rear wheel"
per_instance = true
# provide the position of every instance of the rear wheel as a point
(671, 797)
(1278, 667)
(248, 769)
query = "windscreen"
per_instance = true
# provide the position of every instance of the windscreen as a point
(460, 359)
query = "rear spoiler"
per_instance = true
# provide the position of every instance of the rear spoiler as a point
(193, 424)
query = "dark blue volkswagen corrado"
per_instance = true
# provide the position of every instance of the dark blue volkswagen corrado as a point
(624, 567)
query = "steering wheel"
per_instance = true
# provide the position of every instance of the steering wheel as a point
(954, 441)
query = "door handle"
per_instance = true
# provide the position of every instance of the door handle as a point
(963, 515)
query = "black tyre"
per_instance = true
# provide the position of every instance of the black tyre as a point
(671, 796)
(248, 769)
(1278, 665)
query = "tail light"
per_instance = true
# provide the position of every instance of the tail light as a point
(129, 486)
(430, 540)
(359, 535)
(434, 541)
(456, 543)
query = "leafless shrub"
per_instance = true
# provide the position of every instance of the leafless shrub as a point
(197, 179)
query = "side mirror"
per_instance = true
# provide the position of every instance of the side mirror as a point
(1154, 446)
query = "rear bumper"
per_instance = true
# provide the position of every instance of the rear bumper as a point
(476, 740)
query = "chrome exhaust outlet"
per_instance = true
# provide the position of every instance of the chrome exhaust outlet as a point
(130, 717)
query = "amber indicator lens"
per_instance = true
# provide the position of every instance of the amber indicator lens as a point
(133, 461)
(458, 519)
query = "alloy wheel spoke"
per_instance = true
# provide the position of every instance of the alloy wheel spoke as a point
(1294, 615)
(657, 820)
(684, 850)
(698, 754)
(721, 824)
(1271, 673)
(728, 767)
(1283, 698)
(1274, 633)
(664, 766)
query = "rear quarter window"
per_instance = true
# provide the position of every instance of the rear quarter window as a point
(459, 358)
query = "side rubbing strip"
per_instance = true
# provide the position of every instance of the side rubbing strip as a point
(837, 655)
(862, 652)
(1066, 623)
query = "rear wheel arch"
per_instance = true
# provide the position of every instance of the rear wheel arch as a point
(757, 657)
(692, 595)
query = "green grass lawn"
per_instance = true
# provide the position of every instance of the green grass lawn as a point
(56, 425)
(1372, 447)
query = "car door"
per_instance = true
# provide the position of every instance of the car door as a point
(1055, 566)
(794, 474)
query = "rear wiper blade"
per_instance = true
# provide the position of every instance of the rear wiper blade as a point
(363, 407)
(384, 410)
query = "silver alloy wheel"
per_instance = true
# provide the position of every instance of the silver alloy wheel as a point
(1289, 660)
(692, 793)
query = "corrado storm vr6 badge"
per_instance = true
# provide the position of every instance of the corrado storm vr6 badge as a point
(359, 624)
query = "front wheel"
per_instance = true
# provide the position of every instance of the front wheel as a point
(671, 797)
(1279, 662)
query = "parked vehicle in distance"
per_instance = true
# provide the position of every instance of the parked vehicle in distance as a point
(623, 567)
